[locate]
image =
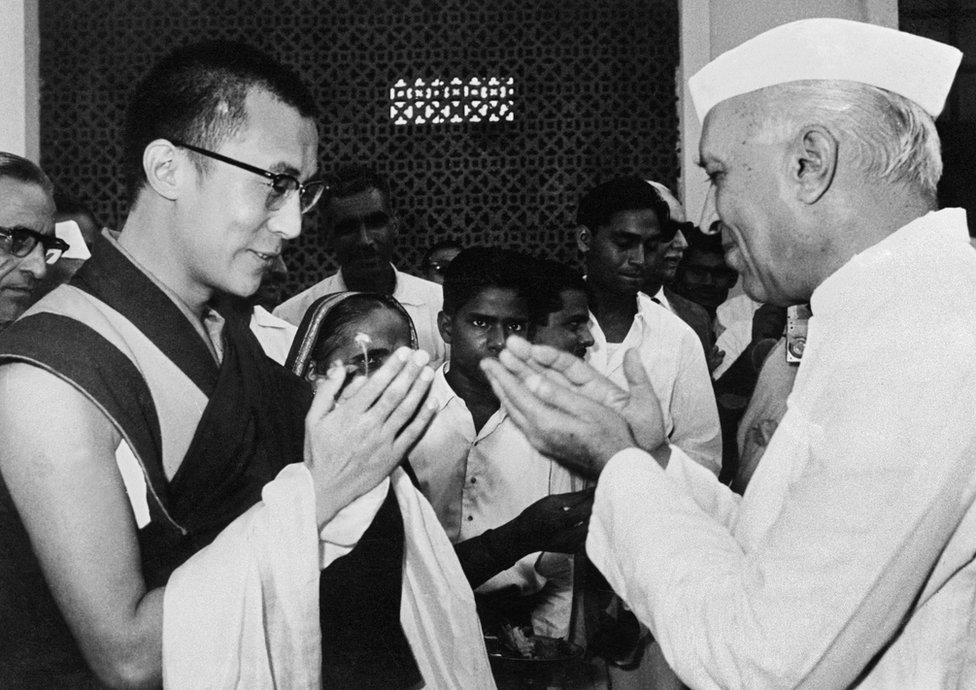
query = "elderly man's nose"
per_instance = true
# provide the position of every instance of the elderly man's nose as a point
(709, 214)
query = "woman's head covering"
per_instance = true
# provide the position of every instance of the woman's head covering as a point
(309, 332)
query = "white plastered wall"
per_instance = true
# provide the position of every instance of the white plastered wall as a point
(19, 78)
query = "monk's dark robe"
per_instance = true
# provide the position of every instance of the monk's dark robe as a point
(222, 430)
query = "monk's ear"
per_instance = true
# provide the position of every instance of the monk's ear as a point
(813, 162)
(163, 167)
(584, 238)
(445, 324)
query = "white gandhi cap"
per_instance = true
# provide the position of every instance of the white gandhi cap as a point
(917, 68)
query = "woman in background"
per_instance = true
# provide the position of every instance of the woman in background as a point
(361, 330)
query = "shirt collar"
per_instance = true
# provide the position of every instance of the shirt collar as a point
(443, 394)
(266, 319)
(644, 304)
(401, 291)
(440, 389)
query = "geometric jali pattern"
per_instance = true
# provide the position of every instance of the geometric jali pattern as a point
(439, 101)
(592, 95)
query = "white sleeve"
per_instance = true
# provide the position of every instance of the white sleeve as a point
(694, 414)
(703, 487)
(830, 581)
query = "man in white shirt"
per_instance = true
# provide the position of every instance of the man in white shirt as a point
(621, 224)
(849, 560)
(473, 464)
(363, 229)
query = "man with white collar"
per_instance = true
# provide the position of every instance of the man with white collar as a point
(621, 225)
(362, 229)
(849, 560)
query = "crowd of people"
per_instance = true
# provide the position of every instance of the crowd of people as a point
(659, 455)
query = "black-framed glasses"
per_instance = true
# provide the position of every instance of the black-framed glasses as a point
(20, 241)
(282, 185)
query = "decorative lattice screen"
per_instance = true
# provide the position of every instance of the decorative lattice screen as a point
(592, 96)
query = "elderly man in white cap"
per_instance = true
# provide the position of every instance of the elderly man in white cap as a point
(850, 558)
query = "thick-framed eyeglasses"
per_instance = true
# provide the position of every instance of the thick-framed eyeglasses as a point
(20, 241)
(282, 185)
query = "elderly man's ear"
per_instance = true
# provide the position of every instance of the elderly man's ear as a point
(813, 163)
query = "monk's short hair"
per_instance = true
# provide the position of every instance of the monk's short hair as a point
(197, 93)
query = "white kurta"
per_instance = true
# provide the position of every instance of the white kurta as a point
(675, 364)
(850, 557)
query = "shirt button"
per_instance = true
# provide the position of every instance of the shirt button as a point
(470, 518)
(474, 480)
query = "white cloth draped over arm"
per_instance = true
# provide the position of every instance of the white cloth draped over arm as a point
(437, 606)
(243, 612)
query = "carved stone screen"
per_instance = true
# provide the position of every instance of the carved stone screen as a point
(548, 98)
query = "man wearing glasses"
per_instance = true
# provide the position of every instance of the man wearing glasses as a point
(27, 242)
(168, 497)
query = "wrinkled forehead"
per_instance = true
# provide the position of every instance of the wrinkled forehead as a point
(732, 123)
(25, 204)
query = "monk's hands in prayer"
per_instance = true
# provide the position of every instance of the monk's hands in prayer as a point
(572, 413)
(556, 523)
(353, 443)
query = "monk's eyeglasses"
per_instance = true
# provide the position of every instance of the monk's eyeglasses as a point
(20, 241)
(282, 185)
